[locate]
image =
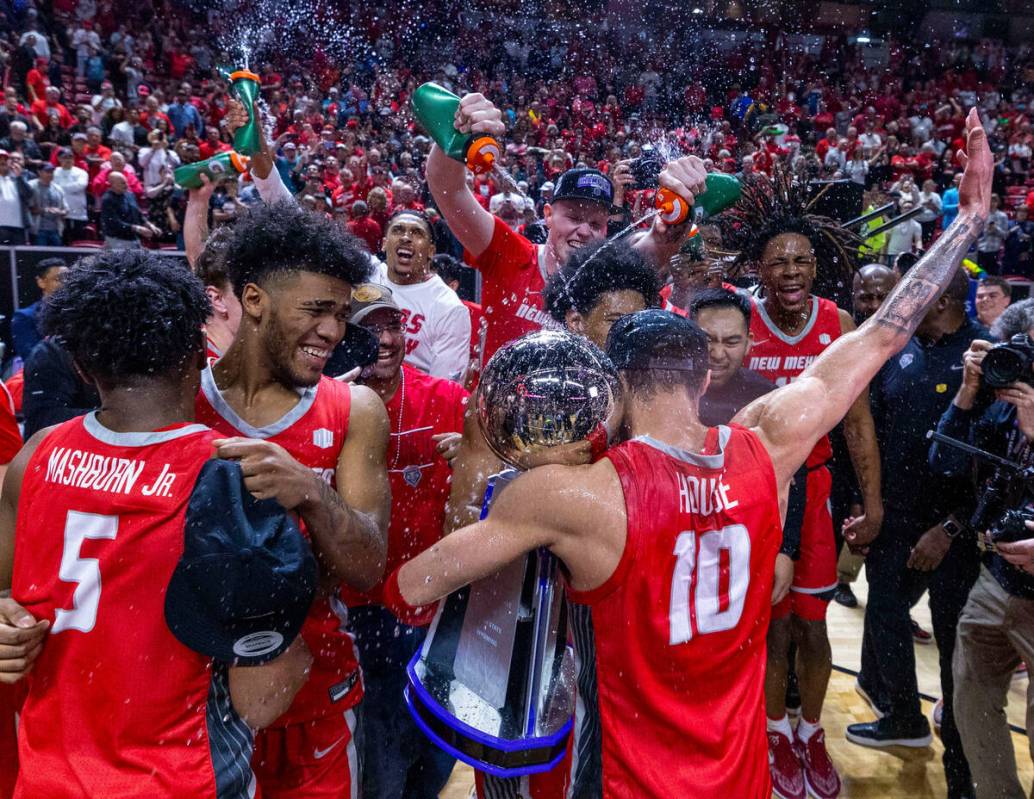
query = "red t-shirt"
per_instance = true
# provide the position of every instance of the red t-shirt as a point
(207, 149)
(512, 282)
(368, 230)
(420, 477)
(38, 81)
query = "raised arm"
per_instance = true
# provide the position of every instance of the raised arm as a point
(792, 419)
(447, 178)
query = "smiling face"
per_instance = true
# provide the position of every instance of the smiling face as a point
(301, 318)
(408, 249)
(386, 325)
(787, 271)
(573, 224)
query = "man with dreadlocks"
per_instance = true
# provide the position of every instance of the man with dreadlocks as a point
(796, 251)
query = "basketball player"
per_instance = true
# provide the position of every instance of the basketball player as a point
(670, 539)
(95, 515)
(790, 327)
(293, 273)
(600, 284)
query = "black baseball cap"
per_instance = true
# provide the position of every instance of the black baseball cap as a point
(247, 577)
(656, 339)
(584, 184)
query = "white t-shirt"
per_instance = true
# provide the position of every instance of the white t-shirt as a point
(905, 237)
(73, 183)
(437, 324)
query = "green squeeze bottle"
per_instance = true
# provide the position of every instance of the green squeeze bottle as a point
(722, 191)
(435, 109)
(245, 86)
(189, 175)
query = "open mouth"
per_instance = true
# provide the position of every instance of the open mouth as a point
(404, 254)
(792, 293)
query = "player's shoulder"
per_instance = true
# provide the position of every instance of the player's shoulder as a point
(366, 413)
(508, 249)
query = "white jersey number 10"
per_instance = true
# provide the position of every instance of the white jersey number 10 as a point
(726, 550)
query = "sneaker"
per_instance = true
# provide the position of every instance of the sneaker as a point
(888, 732)
(787, 774)
(919, 635)
(820, 775)
(845, 596)
(793, 696)
(937, 716)
(864, 694)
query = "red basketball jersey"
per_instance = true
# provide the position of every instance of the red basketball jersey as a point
(116, 705)
(782, 358)
(680, 626)
(312, 432)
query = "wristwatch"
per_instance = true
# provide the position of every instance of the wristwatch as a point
(951, 528)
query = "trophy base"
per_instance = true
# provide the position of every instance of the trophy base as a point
(487, 753)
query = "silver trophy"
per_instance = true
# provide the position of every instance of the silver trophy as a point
(494, 683)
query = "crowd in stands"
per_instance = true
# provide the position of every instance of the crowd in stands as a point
(97, 90)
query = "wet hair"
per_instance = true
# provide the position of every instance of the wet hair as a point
(958, 289)
(1017, 318)
(268, 241)
(447, 267)
(720, 298)
(128, 313)
(47, 264)
(211, 263)
(770, 208)
(410, 212)
(595, 270)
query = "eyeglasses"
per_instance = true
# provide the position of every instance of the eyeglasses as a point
(390, 327)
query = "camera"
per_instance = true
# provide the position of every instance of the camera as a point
(1009, 362)
(646, 169)
(1007, 501)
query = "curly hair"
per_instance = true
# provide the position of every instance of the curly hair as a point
(271, 240)
(128, 313)
(769, 208)
(595, 270)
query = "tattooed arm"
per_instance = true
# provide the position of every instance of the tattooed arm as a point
(792, 419)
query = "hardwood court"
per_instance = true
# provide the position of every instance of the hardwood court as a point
(868, 773)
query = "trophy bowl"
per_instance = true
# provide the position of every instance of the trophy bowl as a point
(494, 683)
(544, 390)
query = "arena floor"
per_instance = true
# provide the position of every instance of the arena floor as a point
(895, 773)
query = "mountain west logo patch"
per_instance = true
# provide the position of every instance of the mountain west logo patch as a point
(322, 438)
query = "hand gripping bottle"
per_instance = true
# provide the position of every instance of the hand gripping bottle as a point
(245, 86)
(435, 109)
(189, 175)
(722, 191)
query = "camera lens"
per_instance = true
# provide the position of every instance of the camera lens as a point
(1003, 366)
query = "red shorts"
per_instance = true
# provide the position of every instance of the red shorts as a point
(315, 760)
(11, 698)
(815, 573)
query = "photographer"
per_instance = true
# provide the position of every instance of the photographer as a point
(996, 628)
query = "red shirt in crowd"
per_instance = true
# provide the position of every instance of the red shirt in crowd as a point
(41, 110)
(367, 229)
(419, 476)
(512, 281)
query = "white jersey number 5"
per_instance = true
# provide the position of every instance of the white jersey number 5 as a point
(727, 550)
(85, 572)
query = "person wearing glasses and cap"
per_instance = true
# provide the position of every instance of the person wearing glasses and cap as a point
(424, 414)
(695, 267)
